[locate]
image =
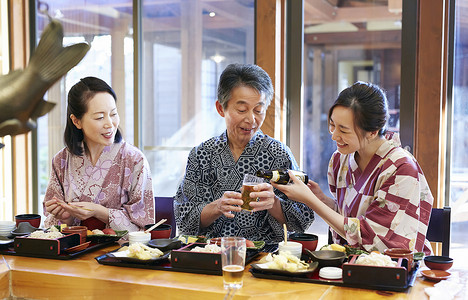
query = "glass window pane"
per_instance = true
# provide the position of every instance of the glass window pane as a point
(355, 40)
(107, 27)
(459, 168)
(186, 44)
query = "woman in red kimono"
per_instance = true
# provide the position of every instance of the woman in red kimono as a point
(381, 198)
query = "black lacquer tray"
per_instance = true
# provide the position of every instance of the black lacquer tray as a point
(166, 265)
(358, 276)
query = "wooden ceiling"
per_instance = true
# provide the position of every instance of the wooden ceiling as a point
(167, 13)
(95, 17)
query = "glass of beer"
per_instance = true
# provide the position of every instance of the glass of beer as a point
(247, 187)
(233, 261)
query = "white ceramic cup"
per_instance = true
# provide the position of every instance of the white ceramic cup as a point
(294, 248)
(139, 237)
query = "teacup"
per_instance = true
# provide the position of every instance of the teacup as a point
(293, 248)
(139, 237)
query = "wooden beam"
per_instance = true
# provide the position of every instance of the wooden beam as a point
(359, 37)
(430, 98)
(269, 54)
(319, 10)
(352, 15)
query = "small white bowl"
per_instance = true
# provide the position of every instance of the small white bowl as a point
(293, 248)
(139, 237)
(7, 225)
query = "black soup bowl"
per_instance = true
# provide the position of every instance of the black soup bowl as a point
(327, 258)
(434, 262)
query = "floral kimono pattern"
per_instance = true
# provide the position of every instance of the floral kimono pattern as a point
(211, 170)
(388, 205)
(120, 181)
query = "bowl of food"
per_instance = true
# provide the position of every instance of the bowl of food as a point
(327, 258)
(163, 231)
(435, 262)
(309, 241)
(33, 219)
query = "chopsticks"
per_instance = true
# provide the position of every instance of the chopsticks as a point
(81, 207)
(155, 225)
(285, 234)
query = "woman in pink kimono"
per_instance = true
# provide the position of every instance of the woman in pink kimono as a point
(381, 197)
(98, 175)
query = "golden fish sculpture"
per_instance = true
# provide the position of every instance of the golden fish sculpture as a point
(22, 91)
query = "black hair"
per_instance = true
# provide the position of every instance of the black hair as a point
(78, 98)
(369, 105)
(253, 76)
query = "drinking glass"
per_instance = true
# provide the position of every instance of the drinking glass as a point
(233, 261)
(247, 187)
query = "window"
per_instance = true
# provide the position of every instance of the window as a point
(459, 165)
(343, 44)
(186, 45)
(108, 30)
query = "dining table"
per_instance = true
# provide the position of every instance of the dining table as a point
(83, 277)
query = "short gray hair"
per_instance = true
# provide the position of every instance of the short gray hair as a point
(244, 75)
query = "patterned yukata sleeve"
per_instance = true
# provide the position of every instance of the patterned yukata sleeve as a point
(55, 187)
(187, 204)
(332, 175)
(138, 211)
(397, 217)
(298, 216)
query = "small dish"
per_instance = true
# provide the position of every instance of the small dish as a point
(331, 273)
(261, 267)
(257, 245)
(435, 275)
(188, 239)
(165, 244)
(327, 258)
(105, 238)
(78, 247)
(417, 256)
